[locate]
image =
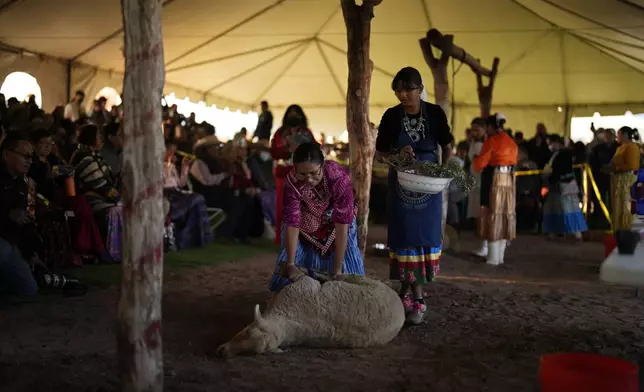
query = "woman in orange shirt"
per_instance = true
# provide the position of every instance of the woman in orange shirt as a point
(623, 169)
(496, 163)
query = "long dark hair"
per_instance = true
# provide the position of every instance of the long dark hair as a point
(309, 152)
(410, 79)
(299, 111)
(631, 133)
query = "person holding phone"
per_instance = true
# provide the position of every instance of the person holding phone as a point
(188, 210)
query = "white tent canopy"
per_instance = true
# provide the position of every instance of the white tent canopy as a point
(587, 55)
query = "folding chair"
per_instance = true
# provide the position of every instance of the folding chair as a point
(216, 216)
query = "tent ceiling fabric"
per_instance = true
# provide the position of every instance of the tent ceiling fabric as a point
(552, 51)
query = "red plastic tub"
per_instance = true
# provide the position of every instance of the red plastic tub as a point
(575, 372)
(610, 243)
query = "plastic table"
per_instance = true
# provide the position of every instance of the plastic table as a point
(626, 269)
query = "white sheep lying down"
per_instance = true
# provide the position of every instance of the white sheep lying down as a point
(354, 312)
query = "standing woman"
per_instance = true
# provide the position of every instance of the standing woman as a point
(496, 162)
(414, 128)
(478, 137)
(320, 234)
(561, 212)
(623, 169)
(293, 132)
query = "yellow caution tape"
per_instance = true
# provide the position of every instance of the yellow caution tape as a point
(585, 169)
(43, 199)
(185, 154)
(598, 195)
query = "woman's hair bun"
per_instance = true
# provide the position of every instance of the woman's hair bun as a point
(497, 119)
(631, 133)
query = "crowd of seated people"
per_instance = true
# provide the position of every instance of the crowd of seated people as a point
(34, 232)
(60, 188)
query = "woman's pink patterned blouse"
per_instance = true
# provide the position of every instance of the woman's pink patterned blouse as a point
(305, 204)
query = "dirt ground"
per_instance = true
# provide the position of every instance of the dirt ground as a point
(486, 330)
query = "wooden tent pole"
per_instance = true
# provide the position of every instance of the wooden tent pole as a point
(441, 83)
(362, 138)
(485, 92)
(139, 309)
(438, 66)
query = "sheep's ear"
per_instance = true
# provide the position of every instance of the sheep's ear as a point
(258, 314)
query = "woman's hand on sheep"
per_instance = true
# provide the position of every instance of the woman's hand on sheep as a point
(337, 276)
(291, 272)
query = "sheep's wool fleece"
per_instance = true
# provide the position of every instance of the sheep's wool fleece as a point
(356, 312)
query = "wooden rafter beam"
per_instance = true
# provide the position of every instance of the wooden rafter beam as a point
(257, 66)
(425, 8)
(595, 37)
(109, 37)
(344, 52)
(235, 55)
(7, 5)
(610, 52)
(528, 49)
(608, 49)
(327, 21)
(590, 20)
(325, 58)
(268, 88)
(225, 32)
(297, 56)
(631, 4)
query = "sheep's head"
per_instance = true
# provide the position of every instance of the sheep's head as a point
(259, 337)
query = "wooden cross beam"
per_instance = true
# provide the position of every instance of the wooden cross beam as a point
(439, 67)
(446, 44)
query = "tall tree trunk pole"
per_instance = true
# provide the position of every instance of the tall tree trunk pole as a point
(485, 92)
(441, 93)
(362, 138)
(139, 310)
(441, 82)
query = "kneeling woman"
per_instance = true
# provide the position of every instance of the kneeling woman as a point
(319, 227)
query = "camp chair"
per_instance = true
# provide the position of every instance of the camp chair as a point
(216, 216)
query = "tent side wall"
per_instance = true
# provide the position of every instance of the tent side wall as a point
(91, 80)
(50, 73)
